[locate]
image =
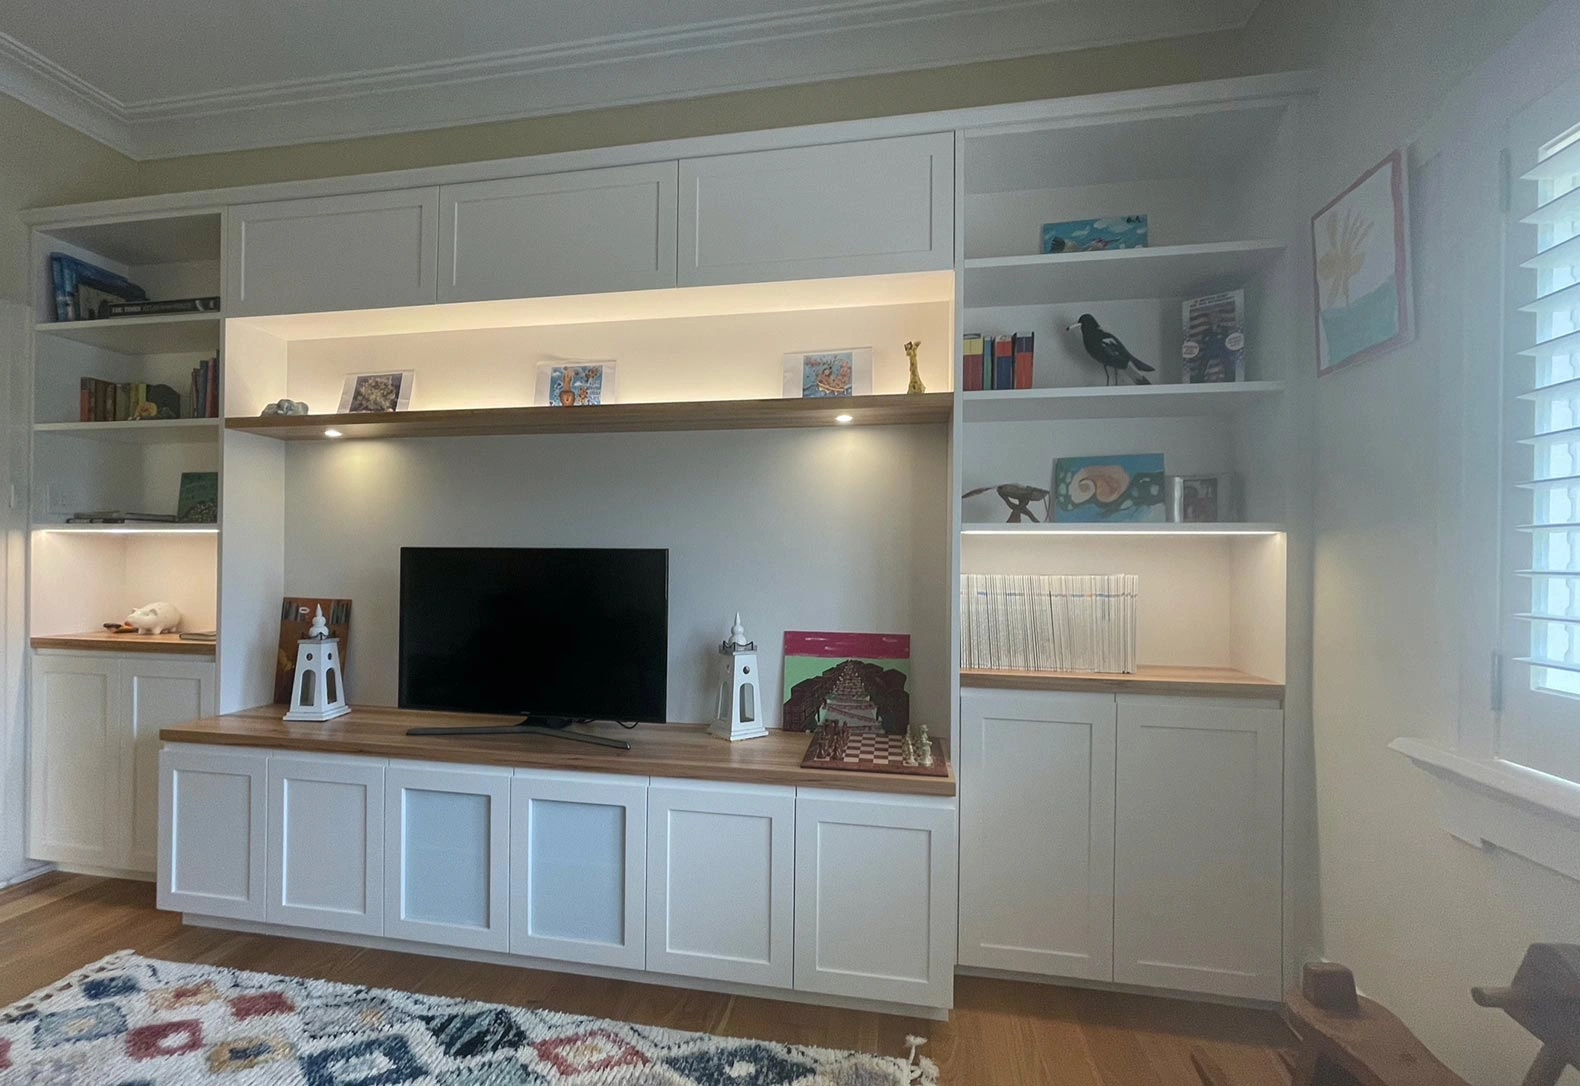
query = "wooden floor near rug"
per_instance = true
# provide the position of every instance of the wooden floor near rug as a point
(1002, 1033)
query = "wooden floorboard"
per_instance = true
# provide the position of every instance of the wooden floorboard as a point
(1002, 1033)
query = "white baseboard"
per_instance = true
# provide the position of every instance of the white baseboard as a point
(1111, 986)
(636, 976)
(27, 876)
(105, 872)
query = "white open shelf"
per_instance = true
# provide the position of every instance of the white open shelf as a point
(138, 432)
(1124, 402)
(1167, 271)
(1027, 530)
(168, 333)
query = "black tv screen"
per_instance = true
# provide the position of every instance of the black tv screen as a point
(567, 633)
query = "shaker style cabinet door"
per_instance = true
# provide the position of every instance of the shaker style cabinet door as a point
(371, 250)
(864, 208)
(156, 692)
(1037, 832)
(721, 881)
(326, 843)
(75, 791)
(212, 816)
(578, 867)
(584, 232)
(1199, 846)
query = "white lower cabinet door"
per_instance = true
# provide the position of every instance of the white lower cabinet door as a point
(212, 819)
(721, 881)
(578, 867)
(1199, 846)
(875, 897)
(447, 855)
(1037, 832)
(326, 843)
(156, 692)
(75, 788)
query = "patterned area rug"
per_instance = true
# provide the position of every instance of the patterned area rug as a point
(134, 1021)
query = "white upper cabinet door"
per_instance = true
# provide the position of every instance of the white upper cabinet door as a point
(212, 818)
(326, 843)
(578, 867)
(156, 692)
(447, 855)
(1037, 832)
(863, 208)
(875, 897)
(76, 791)
(585, 232)
(1199, 846)
(721, 881)
(372, 250)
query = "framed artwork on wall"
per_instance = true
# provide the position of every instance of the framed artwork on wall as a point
(1361, 268)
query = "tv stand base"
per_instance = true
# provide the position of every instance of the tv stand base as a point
(525, 728)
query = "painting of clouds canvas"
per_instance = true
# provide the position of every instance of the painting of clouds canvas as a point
(1362, 273)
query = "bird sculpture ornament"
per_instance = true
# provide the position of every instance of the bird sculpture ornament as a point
(1105, 349)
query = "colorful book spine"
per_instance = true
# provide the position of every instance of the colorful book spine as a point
(1025, 343)
(1004, 362)
(211, 392)
(971, 372)
(85, 400)
(57, 275)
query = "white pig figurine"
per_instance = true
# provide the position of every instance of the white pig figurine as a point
(155, 618)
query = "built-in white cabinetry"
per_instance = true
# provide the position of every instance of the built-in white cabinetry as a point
(564, 233)
(1198, 846)
(862, 208)
(1037, 832)
(321, 878)
(94, 771)
(1135, 839)
(873, 915)
(212, 816)
(371, 250)
(447, 857)
(721, 881)
(579, 867)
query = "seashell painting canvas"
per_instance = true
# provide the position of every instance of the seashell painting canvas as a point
(1108, 489)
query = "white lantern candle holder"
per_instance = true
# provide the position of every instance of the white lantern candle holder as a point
(318, 689)
(740, 706)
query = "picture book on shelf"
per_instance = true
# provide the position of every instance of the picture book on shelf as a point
(1214, 350)
(85, 291)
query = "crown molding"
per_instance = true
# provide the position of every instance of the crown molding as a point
(838, 40)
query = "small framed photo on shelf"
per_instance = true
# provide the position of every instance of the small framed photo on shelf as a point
(1095, 235)
(1214, 348)
(1108, 489)
(374, 393)
(564, 383)
(197, 502)
(1204, 499)
(818, 375)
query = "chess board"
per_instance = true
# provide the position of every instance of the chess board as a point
(872, 753)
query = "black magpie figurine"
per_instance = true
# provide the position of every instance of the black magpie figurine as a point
(1114, 357)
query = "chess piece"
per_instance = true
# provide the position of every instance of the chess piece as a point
(915, 388)
(925, 742)
(908, 750)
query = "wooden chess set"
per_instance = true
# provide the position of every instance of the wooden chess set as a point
(836, 746)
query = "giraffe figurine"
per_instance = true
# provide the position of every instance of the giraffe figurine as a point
(915, 388)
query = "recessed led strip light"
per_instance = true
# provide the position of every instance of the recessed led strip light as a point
(1076, 533)
(122, 529)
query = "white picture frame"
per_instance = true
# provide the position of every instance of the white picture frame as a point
(583, 390)
(369, 393)
(849, 368)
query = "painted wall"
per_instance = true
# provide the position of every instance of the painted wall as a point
(1419, 916)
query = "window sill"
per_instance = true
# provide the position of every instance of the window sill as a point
(1487, 801)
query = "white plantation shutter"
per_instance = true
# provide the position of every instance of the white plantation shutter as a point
(1539, 725)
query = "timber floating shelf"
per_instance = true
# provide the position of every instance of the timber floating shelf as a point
(893, 410)
(1197, 681)
(104, 641)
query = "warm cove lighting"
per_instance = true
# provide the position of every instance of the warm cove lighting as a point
(116, 529)
(1172, 529)
(844, 418)
(333, 433)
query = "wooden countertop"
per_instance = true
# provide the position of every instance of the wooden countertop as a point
(684, 751)
(105, 641)
(1218, 682)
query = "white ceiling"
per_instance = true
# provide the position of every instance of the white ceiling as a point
(170, 77)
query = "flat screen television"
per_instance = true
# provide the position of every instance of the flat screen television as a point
(554, 635)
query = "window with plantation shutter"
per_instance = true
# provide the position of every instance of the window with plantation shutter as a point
(1539, 720)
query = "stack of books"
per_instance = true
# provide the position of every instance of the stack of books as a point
(106, 401)
(997, 362)
(205, 389)
(116, 516)
(1022, 622)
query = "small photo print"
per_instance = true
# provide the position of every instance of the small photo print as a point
(377, 392)
(815, 375)
(576, 384)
